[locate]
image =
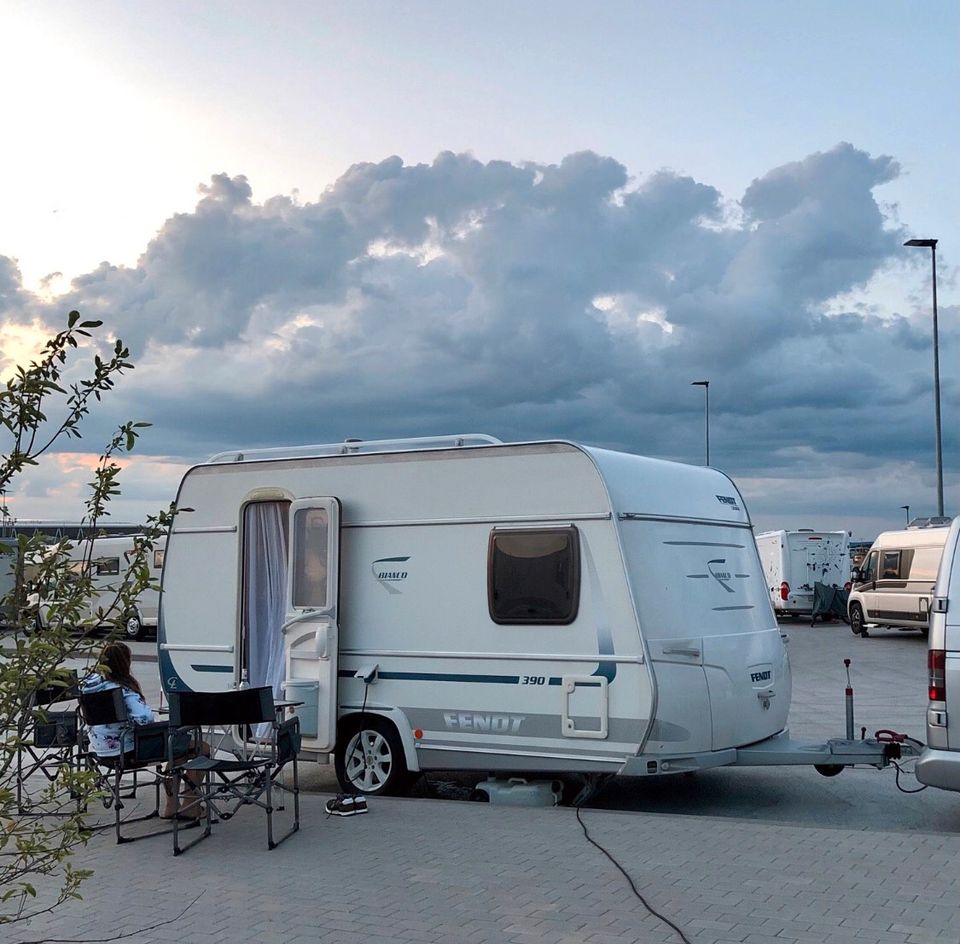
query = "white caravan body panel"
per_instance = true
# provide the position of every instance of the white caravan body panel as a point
(463, 689)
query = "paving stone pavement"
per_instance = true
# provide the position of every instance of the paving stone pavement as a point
(418, 870)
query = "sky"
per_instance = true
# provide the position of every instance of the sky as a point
(318, 220)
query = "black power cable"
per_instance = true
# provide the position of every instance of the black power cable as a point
(626, 875)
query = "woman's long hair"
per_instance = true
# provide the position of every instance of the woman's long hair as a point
(114, 664)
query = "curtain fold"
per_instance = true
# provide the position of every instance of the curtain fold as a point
(264, 592)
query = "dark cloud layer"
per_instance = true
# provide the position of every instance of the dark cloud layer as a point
(527, 300)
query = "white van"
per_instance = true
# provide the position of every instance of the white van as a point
(794, 561)
(109, 561)
(939, 764)
(894, 584)
(463, 603)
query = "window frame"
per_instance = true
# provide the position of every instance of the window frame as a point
(572, 534)
(882, 565)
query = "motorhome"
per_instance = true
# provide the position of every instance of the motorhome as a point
(939, 764)
(793, 561)
(467, 604)
(108, 560)
(894, 584)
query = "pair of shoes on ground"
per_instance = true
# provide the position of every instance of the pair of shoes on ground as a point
(345, 804)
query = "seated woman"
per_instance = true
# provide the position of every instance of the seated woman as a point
(109, 740)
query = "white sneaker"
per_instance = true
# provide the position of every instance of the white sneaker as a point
(346, 805)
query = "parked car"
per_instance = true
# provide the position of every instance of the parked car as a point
(939, 764)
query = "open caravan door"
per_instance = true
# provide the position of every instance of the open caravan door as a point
(311, 634)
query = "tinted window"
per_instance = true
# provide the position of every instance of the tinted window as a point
(158, 559)
(310, 542)
(107, 566)
(870, 567)
(890, 565)
(534, 576)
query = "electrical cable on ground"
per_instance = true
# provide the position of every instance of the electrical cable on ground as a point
(626, 875)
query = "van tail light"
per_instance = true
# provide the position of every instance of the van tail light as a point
(937, 675)
(847, 586)
(784, 590)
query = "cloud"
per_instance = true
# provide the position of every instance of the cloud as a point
(528, 300)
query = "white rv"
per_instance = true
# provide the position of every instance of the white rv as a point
(939, 764)
(793, 561)
(462, 603)
(894, 584)
(109, 559)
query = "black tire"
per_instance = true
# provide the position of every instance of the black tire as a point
(133, 627)
(828, 770)
(857, 622)
(369, 758)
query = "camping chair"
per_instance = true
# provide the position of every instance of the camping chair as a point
(49, 744)
(151, 748)
(229, 783)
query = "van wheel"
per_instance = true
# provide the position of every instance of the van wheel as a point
(369, 758)
(857, 621)
(132, 627)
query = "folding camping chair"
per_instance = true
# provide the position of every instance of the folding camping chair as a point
(250, 780)
(151, 749)
(48, 744)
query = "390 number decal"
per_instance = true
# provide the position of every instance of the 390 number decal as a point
(533, 680)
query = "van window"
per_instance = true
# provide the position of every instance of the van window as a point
(890, 565)
(310, 541)
(106, 566)
(926, 563)
(533, 576)
(158, 558)
(870, 567)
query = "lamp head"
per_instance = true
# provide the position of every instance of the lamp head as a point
(699, 383)
(925, 243)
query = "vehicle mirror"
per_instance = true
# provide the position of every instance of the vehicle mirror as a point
(857, 575)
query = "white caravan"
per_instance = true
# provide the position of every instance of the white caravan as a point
(894, 584)
(793, 561)
(109, 561)
(939, 764)
(466, 604)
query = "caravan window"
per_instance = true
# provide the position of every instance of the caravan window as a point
(310, 541)
(870, 567)
(533, 576)
(158, 558)
(107, 566)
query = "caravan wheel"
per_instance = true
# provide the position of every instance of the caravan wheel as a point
(369, 758)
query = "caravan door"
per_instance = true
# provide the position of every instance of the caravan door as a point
(311, 635)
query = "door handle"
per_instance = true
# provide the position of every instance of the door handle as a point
(681, 651)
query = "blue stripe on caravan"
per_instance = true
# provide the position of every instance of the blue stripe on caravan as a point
(212, 668)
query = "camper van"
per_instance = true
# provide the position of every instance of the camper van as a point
(793, 561)
(894, 584)
(108, 561)
(939, 764)
(460, 603)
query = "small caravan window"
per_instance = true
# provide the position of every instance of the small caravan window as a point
(158, 558)
(890, 565)
(533, 576)
(310, 527)
(107, 566)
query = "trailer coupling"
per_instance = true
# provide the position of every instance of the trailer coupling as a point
(829, 757)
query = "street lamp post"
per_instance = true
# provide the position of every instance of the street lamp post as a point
(706, 389)
(931, 244)
(906, 508)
